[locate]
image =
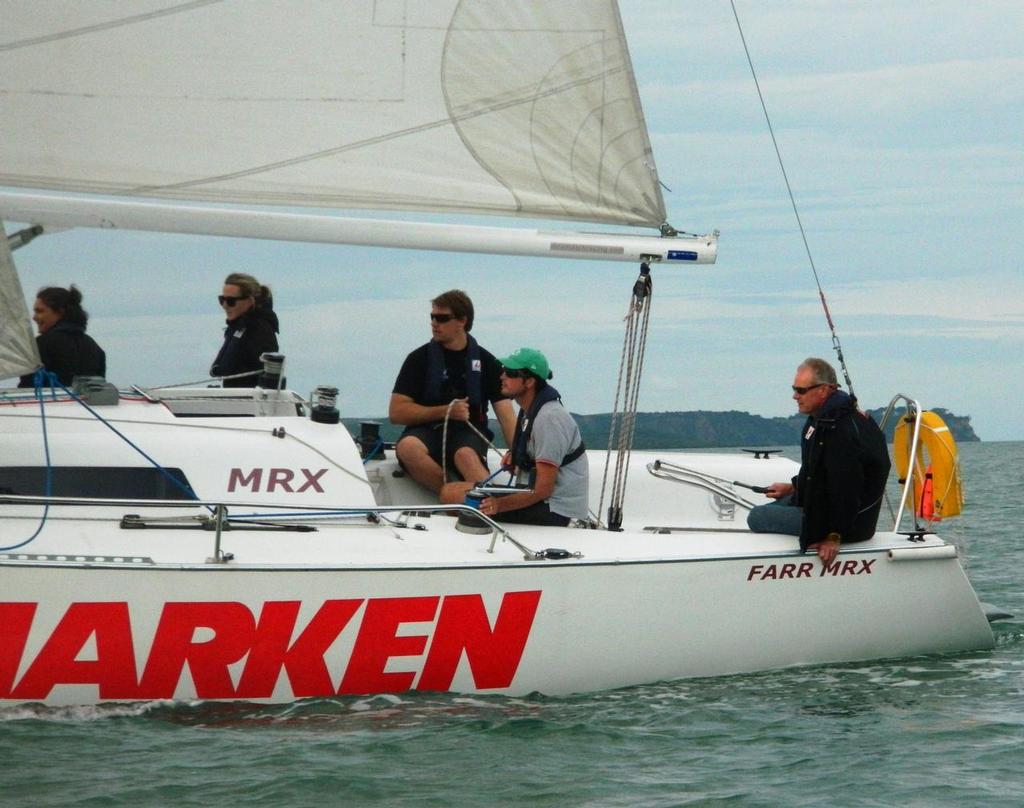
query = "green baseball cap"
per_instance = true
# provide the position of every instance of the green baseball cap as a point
(529, 359)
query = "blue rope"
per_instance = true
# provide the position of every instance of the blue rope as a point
(38, 379)
(43, 377)
(376, 448)
(187, 489)
(500, 469)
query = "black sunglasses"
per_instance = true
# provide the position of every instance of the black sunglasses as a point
(516, 373)
(802, 390)
(442, 318)
(226, 300)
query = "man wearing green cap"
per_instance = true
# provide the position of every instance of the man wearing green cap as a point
(547, 451)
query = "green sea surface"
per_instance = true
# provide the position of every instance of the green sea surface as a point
(924, 731)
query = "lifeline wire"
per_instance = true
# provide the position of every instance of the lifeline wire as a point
(778, 154)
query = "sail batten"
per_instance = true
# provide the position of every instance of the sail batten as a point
(479, 106)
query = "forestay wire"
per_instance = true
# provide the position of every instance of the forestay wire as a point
(631, 366)
(837, 347)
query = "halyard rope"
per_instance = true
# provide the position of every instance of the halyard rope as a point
(627, 389)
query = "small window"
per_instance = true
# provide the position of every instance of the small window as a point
(101, 482)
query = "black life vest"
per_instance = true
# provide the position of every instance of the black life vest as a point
(437, 375)
(524, 428)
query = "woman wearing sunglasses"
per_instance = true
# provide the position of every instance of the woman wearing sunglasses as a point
(64, 348)
(252, 329)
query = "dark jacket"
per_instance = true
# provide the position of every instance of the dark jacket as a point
(68, 351)
(245, 338)
(843, 470)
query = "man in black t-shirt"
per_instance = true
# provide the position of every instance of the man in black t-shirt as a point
(450, 377)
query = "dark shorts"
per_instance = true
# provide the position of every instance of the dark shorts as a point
(459, 435)
(537, 514)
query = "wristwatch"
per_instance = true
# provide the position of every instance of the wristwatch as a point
(833, 536)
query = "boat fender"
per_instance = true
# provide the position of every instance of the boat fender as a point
(922, 553)
(555, 554)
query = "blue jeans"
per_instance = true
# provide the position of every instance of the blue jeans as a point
(781, 516)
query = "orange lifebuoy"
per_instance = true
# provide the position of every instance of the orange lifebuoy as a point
(936, 472)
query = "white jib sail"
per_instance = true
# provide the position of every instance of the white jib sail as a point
(18, 352)
(476, 106)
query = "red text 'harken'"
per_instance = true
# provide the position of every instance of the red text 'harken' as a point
(209, 637)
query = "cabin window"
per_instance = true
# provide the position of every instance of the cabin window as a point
(104, 482)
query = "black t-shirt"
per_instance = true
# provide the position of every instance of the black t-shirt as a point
(412, 378)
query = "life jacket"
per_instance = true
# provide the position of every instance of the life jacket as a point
(524, 428)
(437, 375)
(230, 358)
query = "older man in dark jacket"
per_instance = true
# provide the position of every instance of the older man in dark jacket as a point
(837, 495)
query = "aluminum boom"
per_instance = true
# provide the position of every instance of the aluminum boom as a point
(61, 212)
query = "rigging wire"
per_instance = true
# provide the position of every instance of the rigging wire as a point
(836, 346)
(627, 389)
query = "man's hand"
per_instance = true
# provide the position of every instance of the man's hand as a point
(459, 410)
(827, 550)
(778, 490)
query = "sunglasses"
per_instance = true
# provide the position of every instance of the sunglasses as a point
(516, 373)
(803, 390)
(228, 301)
(441, 318)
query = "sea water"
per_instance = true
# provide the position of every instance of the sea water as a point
(924, 731)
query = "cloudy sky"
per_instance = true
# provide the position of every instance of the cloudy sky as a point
(900, 125)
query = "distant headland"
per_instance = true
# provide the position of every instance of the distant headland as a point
(702, 429)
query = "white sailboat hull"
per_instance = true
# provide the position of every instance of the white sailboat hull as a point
(97, 607)
(109, 631)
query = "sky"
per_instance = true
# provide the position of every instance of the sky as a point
(900, 126)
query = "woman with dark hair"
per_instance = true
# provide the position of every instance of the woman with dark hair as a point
(64, 347)
(252, 329)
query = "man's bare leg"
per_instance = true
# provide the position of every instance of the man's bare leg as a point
(416, 460)
(468, 462)
(455, 493)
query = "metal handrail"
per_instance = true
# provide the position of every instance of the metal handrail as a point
(681, 474)
(913, 409)
(220, 510)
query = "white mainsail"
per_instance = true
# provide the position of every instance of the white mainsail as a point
(478, 106)
(18, 352)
